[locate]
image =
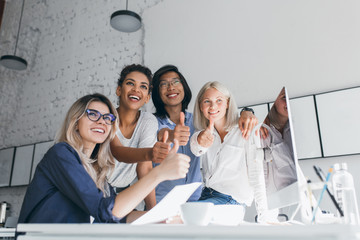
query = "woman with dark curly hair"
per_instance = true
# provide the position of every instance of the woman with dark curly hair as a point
(137, 131)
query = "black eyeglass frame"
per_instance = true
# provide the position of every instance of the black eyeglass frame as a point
(174, 82)
(104, 116)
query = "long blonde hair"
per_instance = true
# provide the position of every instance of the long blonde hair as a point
(101, 161)
(200, 122)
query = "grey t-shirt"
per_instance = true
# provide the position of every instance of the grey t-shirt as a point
(144, 136)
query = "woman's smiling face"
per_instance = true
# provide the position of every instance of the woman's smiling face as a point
(93, 132)
(214, 104)
(134, 91)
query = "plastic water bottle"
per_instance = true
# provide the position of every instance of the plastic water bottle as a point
(344, 191)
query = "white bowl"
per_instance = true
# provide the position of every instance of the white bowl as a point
(196, 213)
(228, 214)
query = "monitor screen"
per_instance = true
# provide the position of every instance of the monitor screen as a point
(285, 183)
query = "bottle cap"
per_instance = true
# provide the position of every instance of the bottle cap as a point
(340, 166)
(343, 166)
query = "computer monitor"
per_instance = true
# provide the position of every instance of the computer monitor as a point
(285, 182)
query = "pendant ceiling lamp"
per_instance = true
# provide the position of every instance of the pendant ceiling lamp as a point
(12, 61)
(125, 20)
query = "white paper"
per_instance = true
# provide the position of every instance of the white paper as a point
(169, 206)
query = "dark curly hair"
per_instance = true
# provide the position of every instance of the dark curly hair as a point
(158, 103)
(135, 68)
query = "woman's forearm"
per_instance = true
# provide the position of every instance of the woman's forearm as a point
(128, 154)
(132, 155)
(142, 169)
(128, 199)
(173, 167)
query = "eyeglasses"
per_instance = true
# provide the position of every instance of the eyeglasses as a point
(95, 115)
(165, 84)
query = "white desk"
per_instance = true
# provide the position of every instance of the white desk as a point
(162, 231)
(7, 232)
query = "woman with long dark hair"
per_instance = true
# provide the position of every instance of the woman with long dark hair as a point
(171, 96)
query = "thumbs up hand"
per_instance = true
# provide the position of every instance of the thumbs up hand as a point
(175, 165)
(161, 149)
(182, 132)
(206, 137)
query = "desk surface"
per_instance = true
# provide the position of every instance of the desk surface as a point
(163, 231)
(7, 232)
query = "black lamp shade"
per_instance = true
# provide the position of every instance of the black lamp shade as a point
(13, 62)
(125, 21)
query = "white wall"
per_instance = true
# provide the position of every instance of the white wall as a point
(256, 47)
(309, 46)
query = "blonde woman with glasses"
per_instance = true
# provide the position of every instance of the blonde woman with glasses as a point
(70, 185)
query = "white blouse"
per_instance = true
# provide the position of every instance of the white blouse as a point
(234, 167)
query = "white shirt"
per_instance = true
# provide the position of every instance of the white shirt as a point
(233, 167)
(144, 136)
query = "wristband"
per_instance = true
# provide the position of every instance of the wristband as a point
(247, 109)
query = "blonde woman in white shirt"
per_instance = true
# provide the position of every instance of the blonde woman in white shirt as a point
(231, 165)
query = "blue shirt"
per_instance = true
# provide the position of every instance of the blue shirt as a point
(194, 174)
(63, 192)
